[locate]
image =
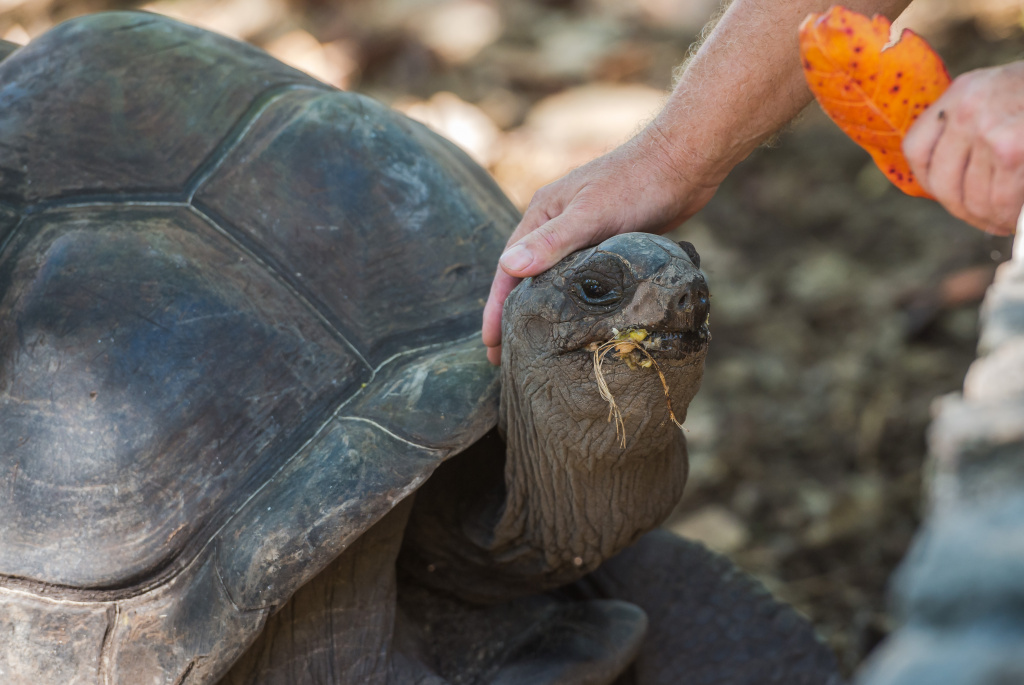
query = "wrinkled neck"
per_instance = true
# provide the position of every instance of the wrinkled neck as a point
(548, 503)
(574, 496)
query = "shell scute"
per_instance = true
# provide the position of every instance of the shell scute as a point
(148, 377)
(118, 77)
(370, 215)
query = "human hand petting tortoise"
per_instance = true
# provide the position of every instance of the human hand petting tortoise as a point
(742, 85)
(248, 433)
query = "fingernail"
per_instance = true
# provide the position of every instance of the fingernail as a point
(517, 258)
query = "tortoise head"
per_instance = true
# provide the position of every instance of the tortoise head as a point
(630, 315)
(636, 304)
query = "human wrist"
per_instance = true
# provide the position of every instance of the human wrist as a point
(684, 154)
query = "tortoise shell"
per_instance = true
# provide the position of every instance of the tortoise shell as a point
(239, 316)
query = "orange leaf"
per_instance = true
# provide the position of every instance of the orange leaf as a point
(874, 95)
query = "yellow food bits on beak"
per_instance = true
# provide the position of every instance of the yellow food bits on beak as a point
(624, 346)
(634, 334)
(637, 334)
(631, 347)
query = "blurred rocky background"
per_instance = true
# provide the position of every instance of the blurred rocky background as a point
(841, 308)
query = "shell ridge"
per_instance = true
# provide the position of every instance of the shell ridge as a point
(6, 240)
(266, 261)
(237, 133)
(386, 431)
(101, 199)
(203, 172)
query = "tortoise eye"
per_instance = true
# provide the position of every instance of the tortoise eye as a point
(597, 292)
(593, 289)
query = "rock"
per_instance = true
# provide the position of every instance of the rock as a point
(859, 508)
(597, 116)
(16, 34)
(464, 124)
(566, 130)
(457, 30)
(570, 50)
(679, 16)
(716, 527)
(239, 19)
(336, 63)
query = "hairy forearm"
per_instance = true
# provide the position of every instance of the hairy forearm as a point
(741, 85)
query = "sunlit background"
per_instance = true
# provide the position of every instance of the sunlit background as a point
(840, 307)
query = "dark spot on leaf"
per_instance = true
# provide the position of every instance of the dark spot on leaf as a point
(858, 49)
(894, 89)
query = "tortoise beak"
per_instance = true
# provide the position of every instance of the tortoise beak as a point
(673, 308)
(691, 309)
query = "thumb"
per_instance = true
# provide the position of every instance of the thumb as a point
(548, 244)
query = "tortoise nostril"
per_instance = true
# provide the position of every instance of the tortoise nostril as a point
(693, 298)
(693, 307)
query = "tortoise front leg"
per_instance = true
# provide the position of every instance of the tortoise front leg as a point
(709, 621)
(336, 629)
(542, 639)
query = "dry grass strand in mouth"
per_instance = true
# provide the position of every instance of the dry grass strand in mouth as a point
(626, 345)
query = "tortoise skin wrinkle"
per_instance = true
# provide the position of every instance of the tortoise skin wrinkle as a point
(239, 330)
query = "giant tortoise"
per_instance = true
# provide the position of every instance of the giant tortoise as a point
(239, 329)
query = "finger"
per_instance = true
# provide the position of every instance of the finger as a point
(537, 214)
(977, 188)
(500, 288)
(1007, 200)
(551, 242)
(919, 143)
(548, 202)
(1007, 191)
(494, 355)
(947, 168)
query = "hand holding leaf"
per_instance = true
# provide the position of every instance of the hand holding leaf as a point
(873, 94)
